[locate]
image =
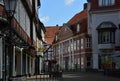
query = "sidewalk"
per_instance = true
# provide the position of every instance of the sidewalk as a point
(38, 76)
(87, 76)
(77, 76)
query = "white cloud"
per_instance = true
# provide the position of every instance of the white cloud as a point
(44, 19)
(68, 2)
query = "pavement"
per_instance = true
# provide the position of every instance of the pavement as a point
(77, 76)
(88, 76)
(38, 76)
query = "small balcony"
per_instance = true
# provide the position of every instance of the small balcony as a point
(106, 46)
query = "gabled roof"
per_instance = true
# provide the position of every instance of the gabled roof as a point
(50, 33)
(65, 32)
(79, 16)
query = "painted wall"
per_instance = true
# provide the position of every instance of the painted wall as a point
(96, 18)
(22, 17)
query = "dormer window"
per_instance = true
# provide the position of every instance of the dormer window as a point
(78, 27)
(106, 2)
(56, 37)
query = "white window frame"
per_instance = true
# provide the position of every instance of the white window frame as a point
(78, 44)
(88, 42)
(56, 37)
(82, 43)
(75, 45)
(106, 2)
(78, 27)
(106, 37)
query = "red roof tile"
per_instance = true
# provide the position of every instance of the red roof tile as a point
(50, 33)
(81, 15)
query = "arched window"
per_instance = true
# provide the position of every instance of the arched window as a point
(106, 33)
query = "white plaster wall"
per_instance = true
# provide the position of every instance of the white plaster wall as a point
(34, 33)
(36, 7)
(31, 1)
(22, 17)
(95, 20)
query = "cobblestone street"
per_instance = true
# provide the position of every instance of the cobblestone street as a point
(82, 76)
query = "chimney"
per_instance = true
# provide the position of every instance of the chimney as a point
(85, 6)
(89, 1)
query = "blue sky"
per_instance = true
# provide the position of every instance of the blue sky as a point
(57, 12)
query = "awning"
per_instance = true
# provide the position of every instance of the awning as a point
(117, 54)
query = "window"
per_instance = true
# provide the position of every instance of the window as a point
(78, 44)
(88, 62)
(75, 45)
(106, 33)
(65, 29)
(56, 37)
(88, 41)
(1, 1)
(105, 37)
(82, 43)
(78, 27)
(106, 2)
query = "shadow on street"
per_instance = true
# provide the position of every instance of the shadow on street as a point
(79, 76)
(87, 76)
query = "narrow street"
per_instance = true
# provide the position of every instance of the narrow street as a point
(81, 76)
(50, 40)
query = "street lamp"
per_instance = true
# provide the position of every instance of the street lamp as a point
(10, 6)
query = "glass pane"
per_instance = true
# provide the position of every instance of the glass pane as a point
(106, 2)
(1, 1)
(10, 5)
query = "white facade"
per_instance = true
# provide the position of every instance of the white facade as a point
(95, 19)
(21, 65)
(22, 17)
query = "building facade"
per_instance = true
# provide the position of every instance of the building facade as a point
(103, 26)
(21, 61)
(48, 52)
(72, 45)
(90, 39)
(40, 47)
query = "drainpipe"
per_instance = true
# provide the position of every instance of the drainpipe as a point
(21, 56)
(13, 69)
(1, 62)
